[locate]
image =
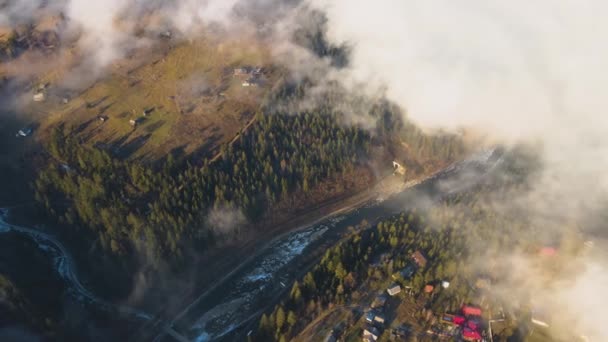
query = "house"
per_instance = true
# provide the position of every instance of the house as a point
(445, 284)
(371, 333)
(102, 118)
(419, 259)
(379, 319)
(548, 251)
(393, 290)
(39, 97)
(469, 310)
(370, 316)
(24, 132)
(406, 273)
(471, 335)
(133, 122)
(453, 319)
(429, 288)
(379, 302)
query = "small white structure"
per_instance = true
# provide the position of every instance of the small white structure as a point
(445, 284)
(379, 319)
(398, 168)
(39, 97)
(24, 132)
(394, 290)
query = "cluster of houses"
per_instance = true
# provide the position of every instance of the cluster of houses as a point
(375, 319)
(251, 76)
(468, 324)
(418, 262)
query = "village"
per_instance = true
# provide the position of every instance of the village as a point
(396, 313)
(391, 315)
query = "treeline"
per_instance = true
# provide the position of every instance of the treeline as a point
(463, 237)
(129, 206)
(118, 208)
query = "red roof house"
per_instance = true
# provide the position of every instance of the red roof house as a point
(458, 320)
(472, 325)
(429, 288)
(468, 310)
(470, 335)
(419, 259)
(548, 251)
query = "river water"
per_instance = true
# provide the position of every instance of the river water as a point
(65, 266)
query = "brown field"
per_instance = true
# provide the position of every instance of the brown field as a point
(193, 102)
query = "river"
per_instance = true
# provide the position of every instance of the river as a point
(65, 266)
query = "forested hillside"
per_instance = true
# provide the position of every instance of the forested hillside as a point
(121, 208)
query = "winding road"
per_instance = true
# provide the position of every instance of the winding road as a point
(65, 266)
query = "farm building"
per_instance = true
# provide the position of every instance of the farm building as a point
(429, 288)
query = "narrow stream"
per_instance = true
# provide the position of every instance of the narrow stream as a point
(65, 266)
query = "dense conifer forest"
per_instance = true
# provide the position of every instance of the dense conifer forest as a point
(121, 208)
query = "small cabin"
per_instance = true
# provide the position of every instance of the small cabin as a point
(394, 290)
(24, 132)
(39, 97)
